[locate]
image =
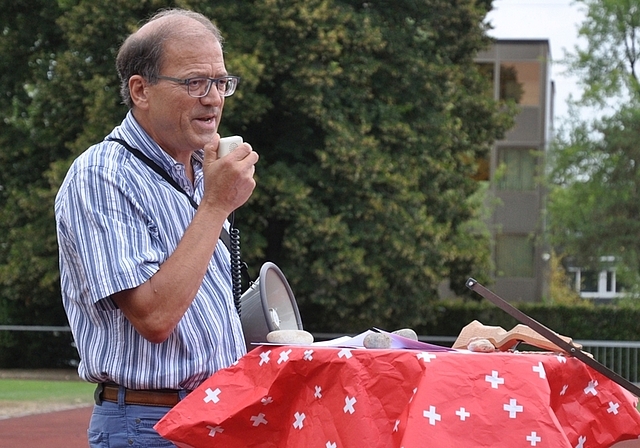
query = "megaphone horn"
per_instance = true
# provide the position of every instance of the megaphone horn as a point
(268, 305)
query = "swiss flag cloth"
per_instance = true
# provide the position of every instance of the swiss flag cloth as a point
(327, 397)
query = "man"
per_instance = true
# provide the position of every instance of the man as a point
(145, 277)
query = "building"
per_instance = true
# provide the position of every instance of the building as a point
(600, 286)
(520, 71)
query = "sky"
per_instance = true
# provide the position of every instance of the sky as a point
(554, 20)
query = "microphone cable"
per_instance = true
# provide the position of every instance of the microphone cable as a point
(236, 264)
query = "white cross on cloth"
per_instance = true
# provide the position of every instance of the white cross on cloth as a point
(426, 356)
(539, 369)
(214, 430)
(513, 408)
(212, 395)
(299, 419)
(284, 356)
(264, 357)
(348, 405)
(581, 441)
(318, 393)
(534, 438)
(494, 379)
(463, 414)
(415, 391)
(308, 355)
(345, 353)
(432, 415)
(591, 388)
(258, 419)
(613, 408)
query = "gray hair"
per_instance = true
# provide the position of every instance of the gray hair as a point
(143, 53)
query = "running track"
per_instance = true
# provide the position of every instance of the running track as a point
(60, 429)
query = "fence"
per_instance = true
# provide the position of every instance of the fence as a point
(623, 357)
(34, 328)
(619, 356)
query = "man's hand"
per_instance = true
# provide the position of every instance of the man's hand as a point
(228, 182)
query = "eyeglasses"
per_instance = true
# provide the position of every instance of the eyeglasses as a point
(199, 87)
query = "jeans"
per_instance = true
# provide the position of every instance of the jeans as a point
(120, 425)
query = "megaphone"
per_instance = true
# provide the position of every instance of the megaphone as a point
(268, 305)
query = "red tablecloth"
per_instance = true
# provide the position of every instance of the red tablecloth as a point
(287, 396)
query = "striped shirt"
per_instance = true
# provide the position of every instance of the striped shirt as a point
(117, 222)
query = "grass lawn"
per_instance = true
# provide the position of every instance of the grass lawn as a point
(46, 391)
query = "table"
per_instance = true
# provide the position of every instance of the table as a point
(328, 397)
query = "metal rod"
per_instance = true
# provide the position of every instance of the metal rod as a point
(552, 336)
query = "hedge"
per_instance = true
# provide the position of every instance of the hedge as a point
(446, 318)
(601, 322)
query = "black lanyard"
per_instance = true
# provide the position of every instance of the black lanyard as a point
(238, 267)
(224, 234)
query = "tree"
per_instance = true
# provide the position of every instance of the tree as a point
(376, 118)
(59, 95)
(369, 118)
(27, 246)
(599, 156)
(588, 221)
(608, 66)
(561, 288)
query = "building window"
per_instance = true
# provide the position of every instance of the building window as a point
(520, 82)
(611, 281)
(514, 256)
(517, 168)
(589, 281)
(592, 284)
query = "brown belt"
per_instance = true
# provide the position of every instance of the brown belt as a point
(162, 397)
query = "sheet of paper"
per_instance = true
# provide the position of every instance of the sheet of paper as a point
(396, 342)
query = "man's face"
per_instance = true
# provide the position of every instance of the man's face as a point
(179, 123)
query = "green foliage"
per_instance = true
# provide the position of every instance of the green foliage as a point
(369, 118)
(587, 322)
(561, 288)
(607, 66)
(587, 221)
(377, 119)
(56, 77)
(594, 207)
